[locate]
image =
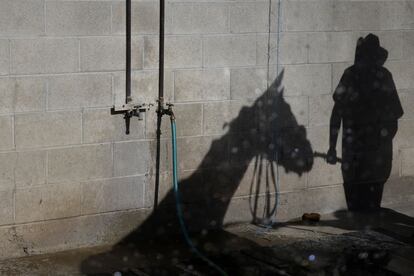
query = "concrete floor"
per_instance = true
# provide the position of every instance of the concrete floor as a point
(342, 243)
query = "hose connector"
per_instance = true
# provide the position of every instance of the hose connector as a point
(166, 110)
(169, 111)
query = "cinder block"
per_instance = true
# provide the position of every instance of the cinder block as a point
(229, 50)
(407, 162)
(108, 53)
(248, 183)
(324, 174)
(44, 55)
(219, 114)
(398, 190)
(7, 165)
(289, 181)
(144, 87)
(331, 47)
(25, 17)
(165, 157)
(145, 16)
(132, 158)
(407, 101)
(202, 85)
(48, 129)
(320, 109)
(78, 17)
(30, 168)
(69, 233)
(192, 152)
(249, 17)
(191, 18)
(29, 94)
(248, 83)
(324, 200)
(48, 202)
(290, 205)
(405, 133)
(22, 94)
(79, 163)
(238, 211)
(113, 195)
(319, 138)
(307, 15)
(73, 91)
(357, 15)
(100, 126)
(396, 15)
(314, 79)
(408, 45)
(188, 118)
(6, 207)
(4, 57)
(180, 52)
(407, 17)
(165, 186)
(293, 48)
(403, 73)
(6, 134)
(12, 244)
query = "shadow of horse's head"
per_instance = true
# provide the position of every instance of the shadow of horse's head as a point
(266, 131)
(273, 131)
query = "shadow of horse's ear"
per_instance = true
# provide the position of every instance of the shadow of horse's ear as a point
(280, 77)
(276, 84)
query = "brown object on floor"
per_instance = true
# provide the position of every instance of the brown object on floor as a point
(312, 217)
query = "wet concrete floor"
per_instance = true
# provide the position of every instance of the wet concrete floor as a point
(342, 243)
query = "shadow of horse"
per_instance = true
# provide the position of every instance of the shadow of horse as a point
(265, 132)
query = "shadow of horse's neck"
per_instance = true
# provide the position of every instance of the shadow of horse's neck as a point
(260, 131)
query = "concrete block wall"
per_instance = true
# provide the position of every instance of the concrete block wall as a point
(70, 177)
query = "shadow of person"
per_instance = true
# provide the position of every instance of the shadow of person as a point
(368, 107)
(265, 130)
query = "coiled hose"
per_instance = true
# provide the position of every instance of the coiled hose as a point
(178, 200)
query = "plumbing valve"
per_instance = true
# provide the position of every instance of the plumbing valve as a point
(166, 111)
(131, 110)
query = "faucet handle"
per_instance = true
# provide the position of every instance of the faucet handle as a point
(127, 118)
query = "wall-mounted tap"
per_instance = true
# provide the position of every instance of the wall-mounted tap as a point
(131, 110)
(166, 110)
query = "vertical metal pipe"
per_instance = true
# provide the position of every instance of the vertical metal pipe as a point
(161, 53)
(160, 102)
(128, 52)
(157, 162)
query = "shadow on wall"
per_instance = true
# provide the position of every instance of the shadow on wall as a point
(266, 132)
(368, 107)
